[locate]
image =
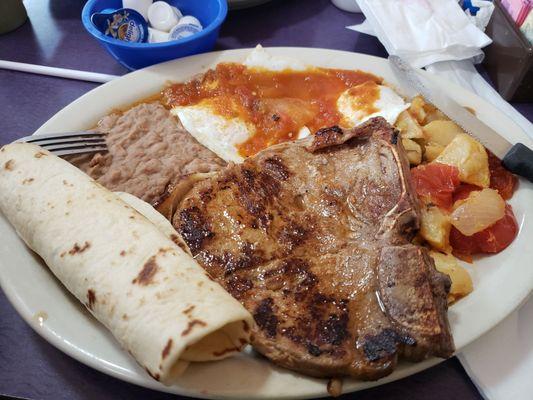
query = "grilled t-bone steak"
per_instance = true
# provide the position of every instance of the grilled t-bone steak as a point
(313, 237)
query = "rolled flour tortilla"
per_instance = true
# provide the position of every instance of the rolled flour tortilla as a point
(156, 300)
(155, 218)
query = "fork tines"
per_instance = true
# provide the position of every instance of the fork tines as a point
(69, 143)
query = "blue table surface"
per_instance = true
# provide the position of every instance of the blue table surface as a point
(54, 36)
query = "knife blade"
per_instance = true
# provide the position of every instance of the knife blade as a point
(516, 158)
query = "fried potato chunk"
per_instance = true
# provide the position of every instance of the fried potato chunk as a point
(470, 157)
(413, 150)
(461, 280)
(408, 126)
(432, 151)
(435, 226)
(441, 132)
(417, 109)
(433, 114)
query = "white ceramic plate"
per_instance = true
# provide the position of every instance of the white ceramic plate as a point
(501, 282)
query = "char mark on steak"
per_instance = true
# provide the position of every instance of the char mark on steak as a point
(313, 237)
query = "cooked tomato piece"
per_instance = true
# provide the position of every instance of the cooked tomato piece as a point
(436, 182)
(491, 240)
(501, 179)
(463, 191)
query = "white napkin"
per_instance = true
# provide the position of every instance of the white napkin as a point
(500, 363)
(424, 31)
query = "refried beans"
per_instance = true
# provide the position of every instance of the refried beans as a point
(148, 150)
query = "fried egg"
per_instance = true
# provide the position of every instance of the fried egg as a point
(223, 135)
(388, 104)
(218, 133)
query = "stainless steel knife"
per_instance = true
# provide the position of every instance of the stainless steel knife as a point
(516, 158)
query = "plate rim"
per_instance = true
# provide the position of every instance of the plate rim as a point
(18, 303)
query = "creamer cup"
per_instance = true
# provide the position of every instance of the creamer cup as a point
(162, 17)
(122, 24)
(189, 19)
(141, 6)
(181, 31)
(155, 36)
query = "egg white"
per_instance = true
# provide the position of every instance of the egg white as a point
(389, 106)
(219, 134)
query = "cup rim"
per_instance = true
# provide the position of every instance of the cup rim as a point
(89, 26)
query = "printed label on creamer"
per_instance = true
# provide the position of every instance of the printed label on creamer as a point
(124, 24)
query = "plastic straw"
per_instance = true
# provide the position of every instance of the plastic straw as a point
(59, 72)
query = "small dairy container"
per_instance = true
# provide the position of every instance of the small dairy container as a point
(189, 19)
(141, 6)
(156, 36)
(162, 17)
(187, 26)
(123, 24)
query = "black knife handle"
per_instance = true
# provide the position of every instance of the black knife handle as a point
(519, 160)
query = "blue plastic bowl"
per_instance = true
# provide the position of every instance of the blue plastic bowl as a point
(211, 14)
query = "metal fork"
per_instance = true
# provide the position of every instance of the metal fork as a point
(62, 144)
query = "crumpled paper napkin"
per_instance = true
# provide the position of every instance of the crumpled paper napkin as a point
(500, 363)
(424, 31)
(482, 16)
